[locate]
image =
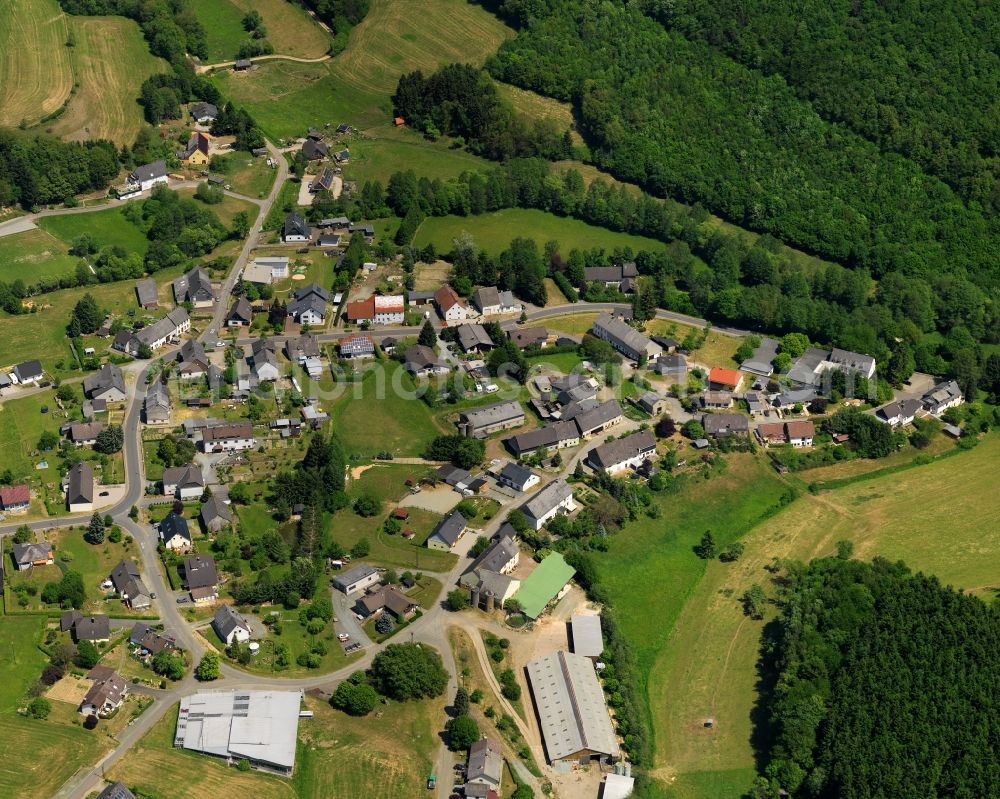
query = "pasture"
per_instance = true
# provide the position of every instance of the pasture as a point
(36, 76)
(228, 208)
(33, 256)
(289, 28)
(108, 228)
(247, 174)
(717, 350)
(930, 516)
(111, 60)
(493, 232)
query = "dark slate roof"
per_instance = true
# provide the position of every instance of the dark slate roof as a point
(498, 555)
(716, 424)
(110, 376)
(92, 628)
(116, 791)
(200, 110)
(174, 524)
(28, 370)
(81, 483)
(29, 553)
(226, 620)
(200, 572)
(215, 508)
(315, 150)
(516, 473)
(157, 169)
(295, 225)
(450, 528)
(621, 449)
(123, 573)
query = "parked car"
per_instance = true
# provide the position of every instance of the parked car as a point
(343, 637)
(181, 600)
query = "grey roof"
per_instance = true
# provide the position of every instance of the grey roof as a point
(796, 396)
(174, 524)
(942, 393)
(553, 495)
(92, 628)
(581, 391)
(587, 639)
(315, 150)
(295, 225)
(81, 484)
(87, 431)
(622, 449)
(572, 410)
(472, 336)
(450, 528)
(486, 296)
(355, 574)
(649, 400)
(28, 370)
(803, 370)
(721, 424)
(548, 436)
(311, 298)
(184, 476)
(526, 336)
(622, 335)
(157, 169)
(905, 408)
(516, 473)
(335, 221)
(215, 508)
(201, 110)
(610, 274)
(601, 415)
(499, 413)
(116, 791)
(498, 555)
(157, 398)
(200, 572)
(669, 364)
(570, 702)
(163, 327)
(195, 286)
(265, 356)
(262, 343)
(146, 292)
(29, 553)
(485, 762)
(453, 475)
(123, 573)
(852, 360)
(419, 357)
(305, 346)
(242, 310)
(226, 620)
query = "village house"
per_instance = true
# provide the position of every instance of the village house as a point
(484, 770)
(215, 514)
(717, 400)
(295, 229)
(147, 294)
(230, 626)
(193, 360)
(491, 302)
(555, 498)
(627, 340)
(240, 314)
(599, 419)
(127, 582)
(27, 373)
(303, 348)
(724, 379)
(106, 695)
(175, 534)
(652, 403)
(808, 368)
(619, 276)
(625, 453)
(720, 425)
(557, 435)
(482, 422)
(156, 404)
(194, 287)
(797, 433)
(474, 338)
(530, 337)
(942, 397)
(96, 629)
(166, 330)
(265, 366)
(15, 498)
(378, 309)
(148, 175)
(759, 363)
(201, 578)
(107, 384)
(357, 345)
(27, 556)
(517, 477)
(322, 182)
(388, 598)
(148, 642)
(183, 482)
(899, 413)
(315, 150)
(228, 438)
(84, 434)
(451, 307)
(80, 488)
(309, 305)
(447, 532)
(422, 361)
(204, 113)
(195, 153)
(357, 578)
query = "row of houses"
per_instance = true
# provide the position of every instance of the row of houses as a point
(587, 418)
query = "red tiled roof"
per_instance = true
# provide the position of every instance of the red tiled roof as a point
(361, 309)
(724, 377)
(446, 297)
(800, 429)
(14, 495)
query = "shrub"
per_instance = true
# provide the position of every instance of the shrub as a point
(39, 708)
(463, 732)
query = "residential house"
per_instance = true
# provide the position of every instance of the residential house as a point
(85, 434)
(195, 287)
(447, 532)
(215, 514)
(474, 338)
(808, 368)
(204, 113)
(357, 345)
(557, 435)
(147, 294)
(451, 307)
(322, 182)
(724, 379)
(174, 533)
(530, 337)
(503, 556)
(619, 276)
(29, 555)
(183, 482)
(228, 437)
(148, 641)
(717, 400)
(757, 404)
(554, 499)
(80, 488)
(300, 349)
(793, 397)
(673, 365)
(652, 403)
(357, 578)
(378, 309)
(315, 150)
(942, 397)
(491, 302)
(27, 373)
(797, 433)
(517, 477)
(899, 413)
(852, 362)
(167, 330)
(107, 384)
(116, 791)
(149, 175)
(720, 425)
(759, 363)
(96, 629)
(240, 314)
(384, 599)
(156, 404)
(15, 498)
(574, 388)
(295, 229)
(309, 305)
(625, 453)
(105, 696)
(265, 366)
(627, 340)
(230, 626)
(329, 240)
(484, 770)
(482, 422)
(599, 419)
(457, 478)
(422, 361)
(126, 579)
(201, 578)
(193, 360)
(196, 151)
(368, 231)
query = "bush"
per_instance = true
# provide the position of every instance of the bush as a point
(87, 655)
(39, 708)
(408, 671)
(384, 624)
(463, 732)
(354, 698)
(367, 505)
(90, 722)
(458, 599)
(209, 669)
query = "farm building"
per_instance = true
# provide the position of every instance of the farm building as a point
(587, 639)
(547, 582)
(482, 422)
(356, 578)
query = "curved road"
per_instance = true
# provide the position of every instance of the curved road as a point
(201, 69)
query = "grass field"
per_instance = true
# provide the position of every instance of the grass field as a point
(371, 417)
(111, 60)
(494, 232)
(228, 208)
(36, 76)
(247, 174)
(108, 228)
(718, 349)
(713, 649)
(539, 107)
(576, 324)
(289, 28)
(33, 256)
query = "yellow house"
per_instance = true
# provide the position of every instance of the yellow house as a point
(196, 152)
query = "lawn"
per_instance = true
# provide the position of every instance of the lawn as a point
(564, 362)
(714, 648)
(247, 174)
(493, 232)
(108, 228)
(21, 425)
(718, 349)
(228, 208)
(575, 324)
(58, 747)
(371, 417)
(36, 76)
(111, 60)
(289, 28)
(33, 256)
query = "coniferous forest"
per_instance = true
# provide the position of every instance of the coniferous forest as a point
(886, 686)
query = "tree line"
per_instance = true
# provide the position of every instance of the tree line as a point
(884, 685)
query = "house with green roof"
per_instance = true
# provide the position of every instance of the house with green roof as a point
(544, 584)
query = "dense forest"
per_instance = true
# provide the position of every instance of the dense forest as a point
(886, 686)
(341, 16)
(917, 78)
(684, 120)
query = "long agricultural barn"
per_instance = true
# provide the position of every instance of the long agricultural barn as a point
(571, 709)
